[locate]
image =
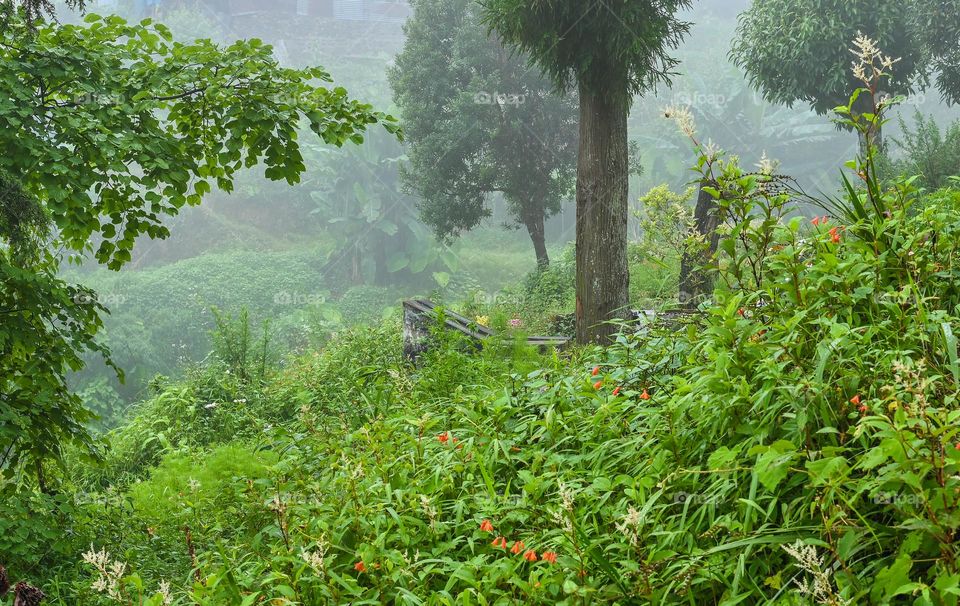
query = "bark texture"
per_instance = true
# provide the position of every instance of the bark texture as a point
(603, 280)
(534, 222)
(695, 282)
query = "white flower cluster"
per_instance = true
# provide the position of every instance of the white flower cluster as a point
(109, 572)
(711, 150)
(429, 510)
(630, 527)
(870, 64)
(164, 592)
(683, 118)
(766, 165)
(564, 516)
(819, 587)
(314, 557)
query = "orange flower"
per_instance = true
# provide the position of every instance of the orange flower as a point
(863, 408)
(816, 221)
(549, 556)
(596, 371)
(500, 542)
(855, 399)
(360, 566)
(644, 395)
(598, 385)
(443, 437)
(486, 526)
(530, 555)
(517, 547)
(616, 390)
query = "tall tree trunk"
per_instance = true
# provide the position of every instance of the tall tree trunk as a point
(603, 279)
(695, 283)
(534, 223)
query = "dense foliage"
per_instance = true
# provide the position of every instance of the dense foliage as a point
(796, 442)
(479, 121)
(823, 414)
(107, 128)
(798, 50)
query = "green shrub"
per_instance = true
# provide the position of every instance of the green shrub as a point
(930, 153)
(366, 304)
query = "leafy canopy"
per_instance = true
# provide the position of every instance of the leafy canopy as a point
(612, 45)
(114, 126)
(798, 50)
(108, 128)
(45, 326)
(32, 10)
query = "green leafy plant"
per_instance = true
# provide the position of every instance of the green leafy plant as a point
(108, 128)
(932, 155)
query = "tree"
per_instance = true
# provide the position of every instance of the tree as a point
(31, 10)
(479, 120)
(799, 50)
(106, 129)
(379, 238)
(609, 51)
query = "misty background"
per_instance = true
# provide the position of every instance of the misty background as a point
(346, 245)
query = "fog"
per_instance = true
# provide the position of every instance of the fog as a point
(346, 245)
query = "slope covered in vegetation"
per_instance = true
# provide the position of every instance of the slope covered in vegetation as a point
(815, 402)
(790, 438)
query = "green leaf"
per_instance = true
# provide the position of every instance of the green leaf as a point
(773, 465)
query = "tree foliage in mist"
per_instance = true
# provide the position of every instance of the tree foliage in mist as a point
(798, 50)
(32, 10)
(623, 45)
(114, 126)
(931, 153)
(45, 327)
(107, 129)
(480, 120)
